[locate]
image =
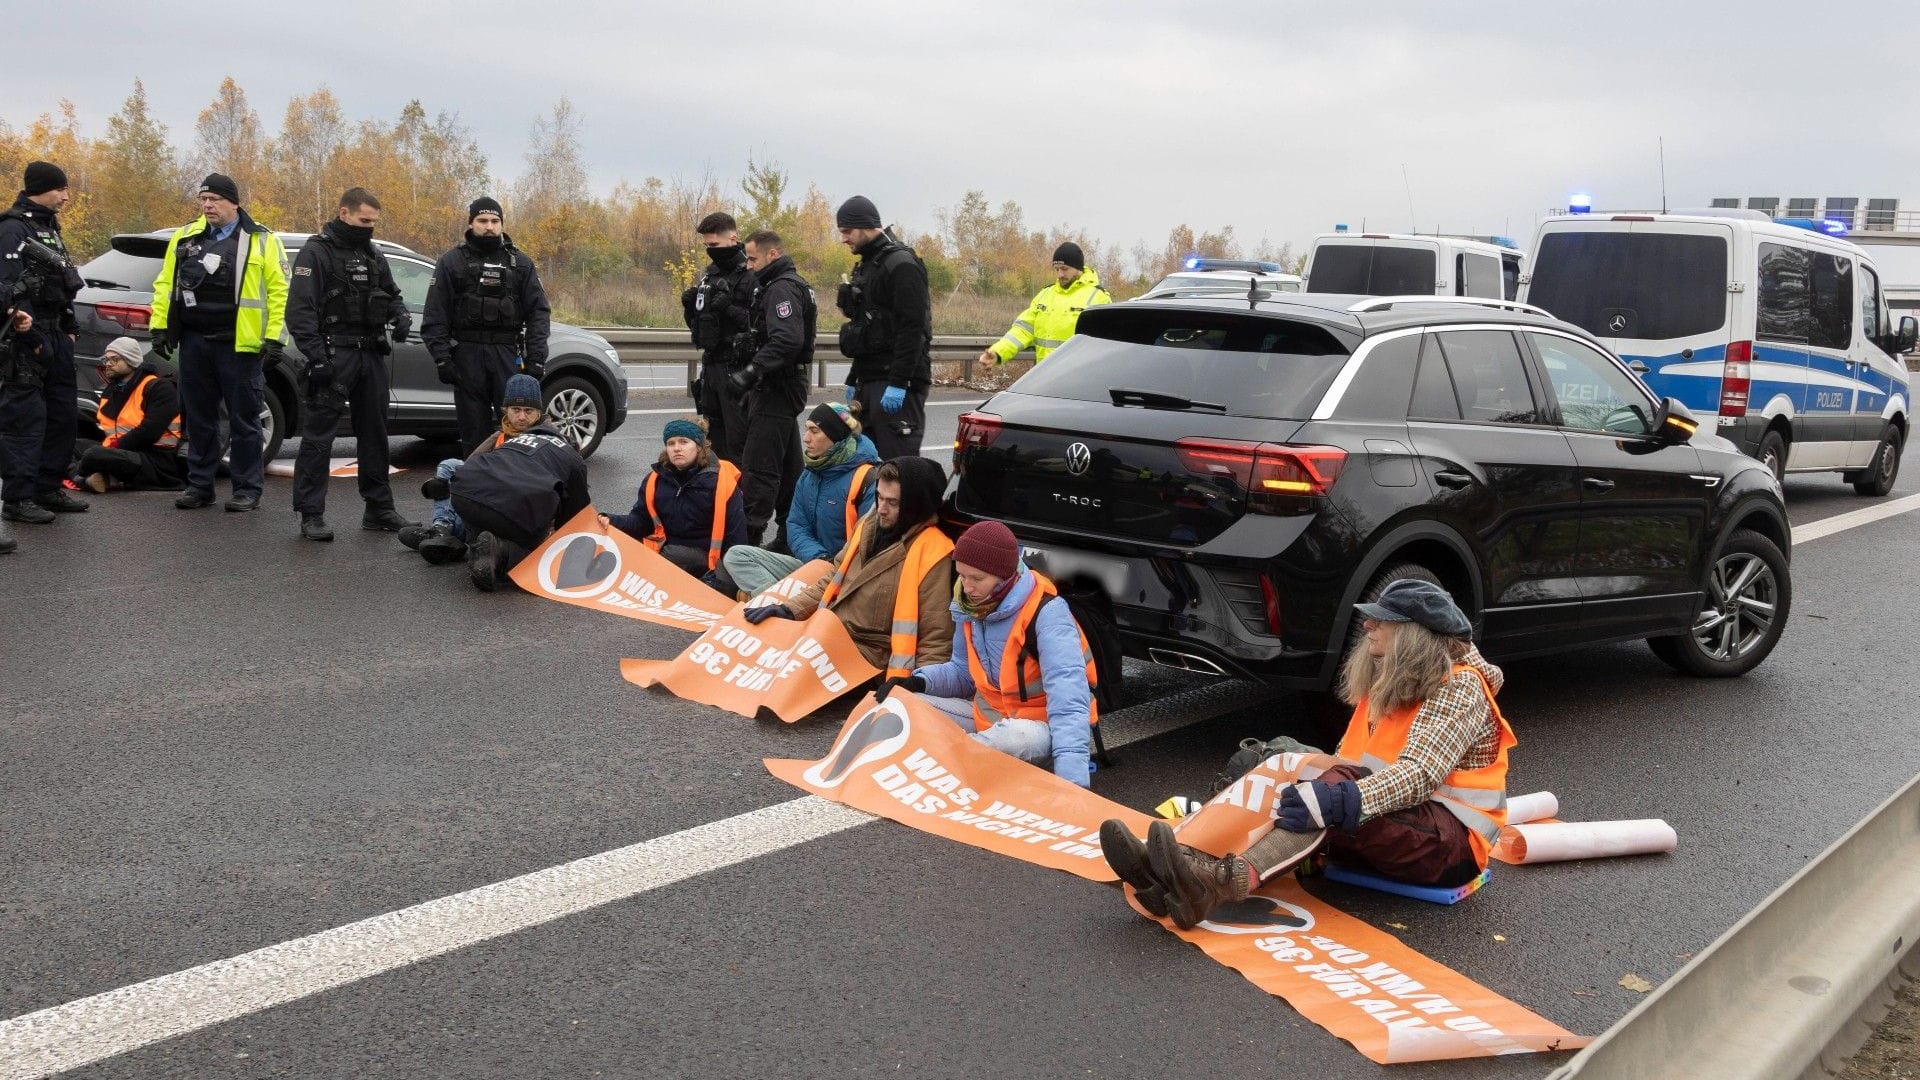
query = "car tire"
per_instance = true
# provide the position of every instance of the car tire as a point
(578, 410)
(1883, 468)
(1773, 454)
(273, 421)
(1731, 632)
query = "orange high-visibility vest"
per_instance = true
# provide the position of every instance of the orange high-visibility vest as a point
(853, 496)
(1022, 693)
(1478, 797)
(133, 412)
(923, 555)
(729, 479)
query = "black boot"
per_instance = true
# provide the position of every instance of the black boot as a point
(194, 500)
(383, 519)
(483, 562)
(314, 527)
(1128, 857)
(26, 512)
(443, 547)
(60, 502)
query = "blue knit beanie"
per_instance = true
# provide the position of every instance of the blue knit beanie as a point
(683, 429)
(522, 389)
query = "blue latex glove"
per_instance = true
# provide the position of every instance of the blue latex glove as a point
(852, 392)
(891, 401)
(758, 615)
(1317, 804)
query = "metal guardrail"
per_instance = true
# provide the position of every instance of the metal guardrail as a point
(1796, 986)
(641, 345)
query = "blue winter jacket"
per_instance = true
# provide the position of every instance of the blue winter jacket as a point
(685, 500)
(1063, 670)
(817, 519)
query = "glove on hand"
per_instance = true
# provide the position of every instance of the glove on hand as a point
(398, 328)
(444, 369)
(758, 615)
(270, 353)
(912, 684)
(743, 380)
(538, 371)
(164, 348)
(1318, 804)
(891, 401)
(852, 392)
(319, 370)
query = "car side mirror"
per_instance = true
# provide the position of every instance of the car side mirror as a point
(1673, 424)
(1904, 339)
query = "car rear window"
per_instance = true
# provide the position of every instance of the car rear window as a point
(1633, 285)
(1270, 368)
(1372, 270)
(119, 268)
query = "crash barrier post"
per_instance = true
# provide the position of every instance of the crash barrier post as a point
(1796, 986)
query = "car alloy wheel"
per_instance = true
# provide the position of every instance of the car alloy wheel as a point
(571, 412)
(1742, 595)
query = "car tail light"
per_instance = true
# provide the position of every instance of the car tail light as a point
(1270, 599)
(129, 316)
(1633, 217)
(976, 430)
(1267, 472)
(1737, 379)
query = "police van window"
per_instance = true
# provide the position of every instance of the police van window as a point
(1594, 393)
(1870, 327)
(413, 279)
(1432, 389)
(1633, 285)
(1480, 276)
(1510, 276)
(1489, 378)
(1372, 270)
(1831, 285)
(1786, 307)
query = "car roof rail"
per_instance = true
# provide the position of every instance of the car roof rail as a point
(1381, 303)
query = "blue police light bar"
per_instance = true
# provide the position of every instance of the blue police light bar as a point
(1580, 203)
(1340, 227)
(1257, 266)
(1193, 262)
(1827, 226)
(1505, 242)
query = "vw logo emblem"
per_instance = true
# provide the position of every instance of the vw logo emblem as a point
(1078, 458)
(1617, 323)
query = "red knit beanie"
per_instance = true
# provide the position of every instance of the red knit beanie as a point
(989, 546)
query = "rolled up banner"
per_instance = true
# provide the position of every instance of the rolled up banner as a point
(1565, 840)
(1537, 806)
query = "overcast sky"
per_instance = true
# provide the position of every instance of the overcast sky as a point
(1121, 118)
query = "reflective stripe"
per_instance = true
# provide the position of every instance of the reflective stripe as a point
(1024, 325)
(900, 662)
(1013, 341)
(1473, 819)
(1373, 761)
(904, 626)
(1479, 798)
(259, 305)
(986, 710)
(1047, 343)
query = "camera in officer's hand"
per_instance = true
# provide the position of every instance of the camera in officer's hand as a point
(847, 298)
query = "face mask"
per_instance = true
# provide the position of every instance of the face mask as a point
(353, 234)
(724, 256)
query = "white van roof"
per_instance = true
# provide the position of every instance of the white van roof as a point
(1480, 246)
(1762, 227)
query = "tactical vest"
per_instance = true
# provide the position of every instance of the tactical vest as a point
(715, 322)
(869, 329)
(208, 299)
(354, 303)
(48, 288)
(487, 310)
(809, 313)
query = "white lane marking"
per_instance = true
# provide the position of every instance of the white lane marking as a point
(63, 1037)
(968, 403)
(1853, 519)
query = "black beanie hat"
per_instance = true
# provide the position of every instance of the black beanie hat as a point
(485, 204)
(44, 176)
(1070, 254)
(857, 213)
(832, 422)
(221, 185)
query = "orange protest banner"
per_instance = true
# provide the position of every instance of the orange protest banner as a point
(789, 667)
(587, 564)
(905, 760)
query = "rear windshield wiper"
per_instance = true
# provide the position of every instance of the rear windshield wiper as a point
(1148, 399)
(101, 283)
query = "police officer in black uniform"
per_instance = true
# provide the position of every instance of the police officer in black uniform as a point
(341, 305)
(889, 331)
(486, 318)
(774, 382)
(39, 410)
(718, 311)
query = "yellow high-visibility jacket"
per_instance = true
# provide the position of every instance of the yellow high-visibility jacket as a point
(262, 301)
(1049, 321)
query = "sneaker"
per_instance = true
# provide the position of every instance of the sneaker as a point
(411, 536)
(194, 500)
(96, 483)
(60, 502)
(314, 527)
(384, 519)
(1128, 858)
(241, 504)
(443, 548)
(25, 512)
(483, 561)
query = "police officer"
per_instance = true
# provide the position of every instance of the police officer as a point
(343, 304)
(39, 411)
(486, 318)
(718, 311)
(774, 381)
(888, 333)
(220, 304)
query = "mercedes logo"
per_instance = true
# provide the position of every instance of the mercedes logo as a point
(1078, 458)
(1617, 323)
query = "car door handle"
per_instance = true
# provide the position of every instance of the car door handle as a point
(1638, 368)
(1594, 483)
(1453, 479)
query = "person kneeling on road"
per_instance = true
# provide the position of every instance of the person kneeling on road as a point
(509, 498)
(1419, 796)
(444, 538)
(892, 583)
(690, 507)
(835, 488)
(1022, 679)
(139, 416)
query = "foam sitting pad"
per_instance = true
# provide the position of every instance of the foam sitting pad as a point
(1432, 894)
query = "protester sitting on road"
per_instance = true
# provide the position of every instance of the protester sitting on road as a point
(509, 498)
(892, 584)
(1419, 797)
(444, 538)
(690, 507)
(139, 416)
(1021, 677)
(835, 488)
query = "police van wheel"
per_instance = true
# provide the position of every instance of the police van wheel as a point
(1743, 609)
(575, 409)
(1773, 454)
(1877, 478)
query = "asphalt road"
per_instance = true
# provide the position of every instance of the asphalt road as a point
(221, 738)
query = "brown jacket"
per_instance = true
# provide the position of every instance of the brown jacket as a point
(865, 603)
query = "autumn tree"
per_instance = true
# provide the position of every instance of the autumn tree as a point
(227, 139)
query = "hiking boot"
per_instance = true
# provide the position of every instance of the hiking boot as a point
(1128, 858)
(411, 536)
(60, 502)
(384, 519)
(194, 500)
(25, 512)
(243, 504)
(483, 562)
(1196, 882)
(314, 527)
(96, 483)
(442, 548)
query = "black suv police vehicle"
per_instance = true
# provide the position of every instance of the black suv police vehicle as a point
(1216, 480)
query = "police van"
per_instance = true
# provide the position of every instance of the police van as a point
(1395, 264)
(1777, 332)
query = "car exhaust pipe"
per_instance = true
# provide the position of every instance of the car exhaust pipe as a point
(1184, 661)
